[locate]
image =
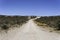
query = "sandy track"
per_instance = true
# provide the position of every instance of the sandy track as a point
(29, 31)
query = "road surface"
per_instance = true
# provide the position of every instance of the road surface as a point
(29, 31)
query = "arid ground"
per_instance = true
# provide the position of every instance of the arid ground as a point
(29, 31)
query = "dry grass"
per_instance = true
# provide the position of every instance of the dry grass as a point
(46, 27)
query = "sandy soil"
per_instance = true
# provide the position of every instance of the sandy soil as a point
(29, 31)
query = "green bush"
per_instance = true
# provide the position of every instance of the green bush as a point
(58, 25)
(5, 27)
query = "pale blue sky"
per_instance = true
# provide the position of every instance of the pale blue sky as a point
(30, 7)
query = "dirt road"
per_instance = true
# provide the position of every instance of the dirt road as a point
(29, 31)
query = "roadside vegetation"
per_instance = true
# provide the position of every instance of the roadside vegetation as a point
(32, 17)
(7, 22)
(50, 21)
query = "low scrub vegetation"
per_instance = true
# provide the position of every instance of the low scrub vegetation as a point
(10, 21)
(33, 17)
(51, 21)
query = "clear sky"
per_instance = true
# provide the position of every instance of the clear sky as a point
(30, 7)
